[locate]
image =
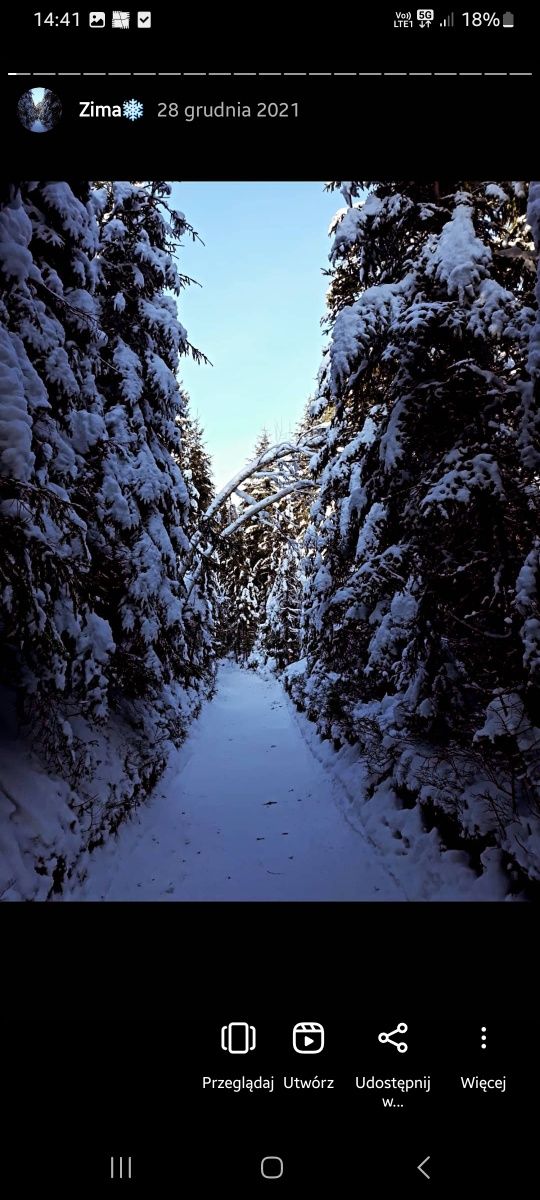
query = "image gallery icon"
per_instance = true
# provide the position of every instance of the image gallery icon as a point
(96, 20)
(308, 1037)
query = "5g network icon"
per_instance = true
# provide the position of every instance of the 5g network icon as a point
(238, 1037)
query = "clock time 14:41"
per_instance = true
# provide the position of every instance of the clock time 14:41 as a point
(57, 18)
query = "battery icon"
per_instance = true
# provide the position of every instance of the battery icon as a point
(508, 20)
(238, 1037)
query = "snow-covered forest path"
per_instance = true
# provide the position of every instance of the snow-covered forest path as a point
(245, 812)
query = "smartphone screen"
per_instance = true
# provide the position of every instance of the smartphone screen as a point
(269, 616)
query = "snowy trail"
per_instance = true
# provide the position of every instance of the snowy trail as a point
(245, 812)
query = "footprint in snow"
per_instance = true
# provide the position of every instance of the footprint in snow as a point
(267, 803)
(261, 839)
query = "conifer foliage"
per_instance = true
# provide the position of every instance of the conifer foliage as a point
(280, 634)
(249, 563)
(99, 622)
(57, 640)
(385, 560)
(201, 606)
(422, 545)
(142, 500)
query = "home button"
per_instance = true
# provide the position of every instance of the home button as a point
(272, 1167)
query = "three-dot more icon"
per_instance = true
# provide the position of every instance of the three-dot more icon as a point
(483, 1040)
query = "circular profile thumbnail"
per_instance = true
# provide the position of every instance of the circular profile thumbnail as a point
(39, 110)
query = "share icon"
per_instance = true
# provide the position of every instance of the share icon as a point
(389, 1037)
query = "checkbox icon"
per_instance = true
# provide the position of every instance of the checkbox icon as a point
(144, 20)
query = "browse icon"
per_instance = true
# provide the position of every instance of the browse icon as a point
(389, 1037)
(238, 1037)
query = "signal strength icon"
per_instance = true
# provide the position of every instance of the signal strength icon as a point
(448, 21)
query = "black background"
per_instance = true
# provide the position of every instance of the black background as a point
(143, 959)
(133, 1088)
(384, 124)
(104, 1005)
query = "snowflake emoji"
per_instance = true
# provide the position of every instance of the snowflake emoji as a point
(132, 109)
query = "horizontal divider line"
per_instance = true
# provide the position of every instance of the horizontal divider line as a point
(280, 74)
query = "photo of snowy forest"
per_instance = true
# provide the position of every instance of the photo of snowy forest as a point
(316, 674)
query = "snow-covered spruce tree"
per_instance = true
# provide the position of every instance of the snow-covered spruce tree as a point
(246, 619)
(142, 504)
(26, 110)
(239, 608)
(248, 563)
(527, 599)
(56, 641)
(95, 517)
(269, 513)
(280, 634)
(229, 559)
(50, 109)
(258, 540)
(202, 601)
(428, 503)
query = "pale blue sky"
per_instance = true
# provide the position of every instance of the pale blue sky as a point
(257, 315)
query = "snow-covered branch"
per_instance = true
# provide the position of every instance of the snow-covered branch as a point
(266, 503)
(283, 450)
